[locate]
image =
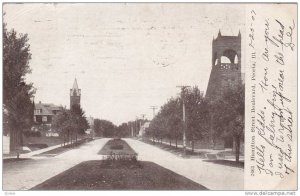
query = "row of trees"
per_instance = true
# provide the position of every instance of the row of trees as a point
(205, 119)
(70, 123)
(105, 128)
(168, 122)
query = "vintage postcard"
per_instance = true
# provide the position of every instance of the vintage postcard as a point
(149, 96)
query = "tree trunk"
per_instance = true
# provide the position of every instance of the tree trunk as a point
(193, 144)
(237, 149)
(176, 142)
(12, 140)
(76, 138)
(15, 138)
(68, 136)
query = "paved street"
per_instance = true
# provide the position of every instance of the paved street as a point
(24, 175)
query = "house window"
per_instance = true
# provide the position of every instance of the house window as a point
(44, 119)
(38, 111)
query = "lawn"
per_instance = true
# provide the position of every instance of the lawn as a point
(230, 163)
(13, 160)
(62, 149)
(177, 151)
(134, 175)
(117, 147)
(36, 143)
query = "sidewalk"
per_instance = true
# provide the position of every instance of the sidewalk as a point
(35, 152)
(206, 150)
(25, 174)
(195, 149)
(210, 175)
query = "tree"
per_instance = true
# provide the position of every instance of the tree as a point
(16, 93)
(98, 128)
(235, 102)
(228, 112)
(70, 123)
(104, 128)
(196, 115)
(167, 122)
(172, 112)
(62, 122)
(123, 130)
(79, 120)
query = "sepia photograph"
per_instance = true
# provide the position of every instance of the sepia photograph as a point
(141, 96)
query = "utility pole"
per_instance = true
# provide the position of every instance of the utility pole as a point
(143, 116)
(153, 108)
(130, 128)
(183, 117)
(136, 126)
(131, 131)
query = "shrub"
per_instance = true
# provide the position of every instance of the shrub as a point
(32, 133)
(117, 147)
(39, 146)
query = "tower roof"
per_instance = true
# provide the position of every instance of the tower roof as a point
(75, 91)
(75, 85)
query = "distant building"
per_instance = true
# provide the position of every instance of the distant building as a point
(143, 128)
(90, 131)
(90, 121)
(44, 112)
(75, 94)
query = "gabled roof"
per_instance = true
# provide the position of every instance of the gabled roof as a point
(47, 108)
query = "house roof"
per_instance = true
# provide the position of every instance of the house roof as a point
(47, 108)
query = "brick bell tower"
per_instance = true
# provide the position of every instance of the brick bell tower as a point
(75, 94)
(225, 73)
(226, 65)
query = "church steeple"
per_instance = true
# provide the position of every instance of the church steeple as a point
(75, 94)
(75, 85)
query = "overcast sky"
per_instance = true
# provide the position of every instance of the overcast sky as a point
(126, 57)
